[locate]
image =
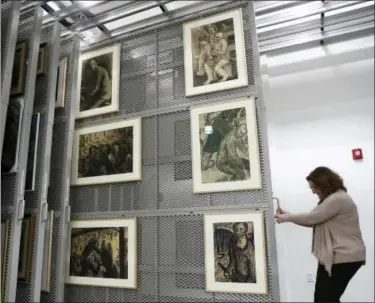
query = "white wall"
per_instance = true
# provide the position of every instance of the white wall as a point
(320, 106)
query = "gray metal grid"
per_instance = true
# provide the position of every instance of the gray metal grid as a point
(170, 253)
(56, 191)
(48, 297)
(12, 185)
(5, 11)
(170, 260)
(24, 288)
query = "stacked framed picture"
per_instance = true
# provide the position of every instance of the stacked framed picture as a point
(225, 150)
(98, 82)
(102, 253)
(19, 69)
(26, 248)
(235, 253)
(32, 155)
(61, 83)
(42, 60)
(12, 136)
(47, 253)
(107, 153)
(214, 53)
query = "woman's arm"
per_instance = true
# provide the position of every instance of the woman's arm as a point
(299, 224)
(320, 214)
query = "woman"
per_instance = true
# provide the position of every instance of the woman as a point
(337, 239)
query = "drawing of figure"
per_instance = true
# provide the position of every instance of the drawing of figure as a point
(96, 86)
(221, 126)
(241, 267)
(228, 160)
(221, 52)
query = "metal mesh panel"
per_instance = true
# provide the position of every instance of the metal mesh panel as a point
(24, 288)
(170, 242)
(5, 10)
(33, 198)
(47, 297)
(55, 190)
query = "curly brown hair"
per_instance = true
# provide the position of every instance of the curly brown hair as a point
(326, 181)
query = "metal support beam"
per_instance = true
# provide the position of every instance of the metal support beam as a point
(116, 14)
(70, 10)
(65, 210)
(310, 8)
(7, 68)
(11, 282)
(54, 52)
(264, 88)
(30, 6)
(193, 11)
(316, 37)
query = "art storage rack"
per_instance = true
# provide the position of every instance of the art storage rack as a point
(170, 217)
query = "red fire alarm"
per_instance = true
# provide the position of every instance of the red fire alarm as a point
(357, 154)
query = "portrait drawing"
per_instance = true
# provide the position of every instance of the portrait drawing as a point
(235, 253)
(225, 147)
(214, 53)
(103, 254)
(18, 70)
(108, 153)
(98, 81)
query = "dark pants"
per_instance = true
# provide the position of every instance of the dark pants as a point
(330, 289)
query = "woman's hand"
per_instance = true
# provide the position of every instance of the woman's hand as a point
(279, 210)
(280, 218)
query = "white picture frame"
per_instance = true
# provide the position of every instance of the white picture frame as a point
(33, 153)
(61, 83)
(130, 224)
(98, 132)
(220, 240)
(113, 71)
(199, 66)
(47, 254)
(208, 177)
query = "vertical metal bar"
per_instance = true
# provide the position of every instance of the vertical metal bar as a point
(6, 71)
(267, 169)
(157, 229)
(54, 51)
(11, 283)
(63, 228)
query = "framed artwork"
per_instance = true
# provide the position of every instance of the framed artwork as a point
(214, 53)
(41, 69)
(103, 253)
(61, 82)
(107, 153)
(235, 253)
(12, 136)
(225, 151)
(46, 269)
(18, 71)
(4, 249)
(98, 82)
(32, 155)
(26, 248)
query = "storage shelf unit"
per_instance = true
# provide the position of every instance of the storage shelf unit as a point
(152, 87)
